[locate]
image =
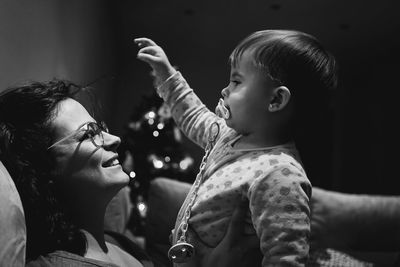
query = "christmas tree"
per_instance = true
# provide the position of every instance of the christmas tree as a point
(151, 147)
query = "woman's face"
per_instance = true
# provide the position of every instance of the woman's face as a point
(88, 172)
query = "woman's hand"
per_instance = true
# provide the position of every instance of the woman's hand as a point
(232, 250)
(155, 56)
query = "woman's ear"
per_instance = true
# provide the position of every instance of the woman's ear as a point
(280, 98)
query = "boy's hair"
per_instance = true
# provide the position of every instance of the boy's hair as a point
(293, 59)
(298, 61)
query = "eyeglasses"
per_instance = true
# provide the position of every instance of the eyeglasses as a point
(93, 130)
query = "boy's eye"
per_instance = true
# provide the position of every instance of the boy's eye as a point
(235, 82)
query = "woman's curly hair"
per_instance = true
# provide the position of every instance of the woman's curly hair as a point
(25, 134)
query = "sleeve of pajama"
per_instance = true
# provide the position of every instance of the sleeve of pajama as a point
(279, 206)
(189, 113)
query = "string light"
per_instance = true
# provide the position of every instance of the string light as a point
(158, 164)
(160, 126)
(185, 163)
(141, 206)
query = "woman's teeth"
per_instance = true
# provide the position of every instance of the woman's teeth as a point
(222, 111)
(114, 162)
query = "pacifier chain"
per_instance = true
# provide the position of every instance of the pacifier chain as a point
(183, 251)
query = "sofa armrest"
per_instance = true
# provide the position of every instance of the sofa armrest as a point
(366, 227)
(355, 222)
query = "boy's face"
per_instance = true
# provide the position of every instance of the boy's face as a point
(247, 96)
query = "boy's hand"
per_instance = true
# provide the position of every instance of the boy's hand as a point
(155, 56)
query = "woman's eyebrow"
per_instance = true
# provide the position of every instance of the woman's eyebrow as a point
(83, 124)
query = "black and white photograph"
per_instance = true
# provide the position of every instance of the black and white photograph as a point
(219, 133)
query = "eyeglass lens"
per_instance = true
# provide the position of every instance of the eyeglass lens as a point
(97, 136)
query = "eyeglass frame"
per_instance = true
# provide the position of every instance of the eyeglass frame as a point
(101, 127)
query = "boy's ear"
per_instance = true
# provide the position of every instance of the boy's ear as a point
(280, 98)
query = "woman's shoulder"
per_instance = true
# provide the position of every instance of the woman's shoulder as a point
(121, 257)
(66, 259)
(125, 248)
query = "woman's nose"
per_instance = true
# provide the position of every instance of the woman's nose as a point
(111, 142)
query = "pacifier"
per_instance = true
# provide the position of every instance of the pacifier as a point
(181, 252)
(222, 111)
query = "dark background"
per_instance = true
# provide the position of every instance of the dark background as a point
(85, 40)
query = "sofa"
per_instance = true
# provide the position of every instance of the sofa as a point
(334, 214)
(339, 237)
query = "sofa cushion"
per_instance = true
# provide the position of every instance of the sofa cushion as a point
(12, 223)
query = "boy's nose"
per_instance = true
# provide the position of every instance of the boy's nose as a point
(224, 92)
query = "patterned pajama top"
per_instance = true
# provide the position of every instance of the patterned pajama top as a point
(272, 178)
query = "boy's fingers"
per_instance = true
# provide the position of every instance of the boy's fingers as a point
(142, 42)
(147, 58)
(148, 50)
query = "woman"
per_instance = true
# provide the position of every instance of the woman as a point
(66, 170)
